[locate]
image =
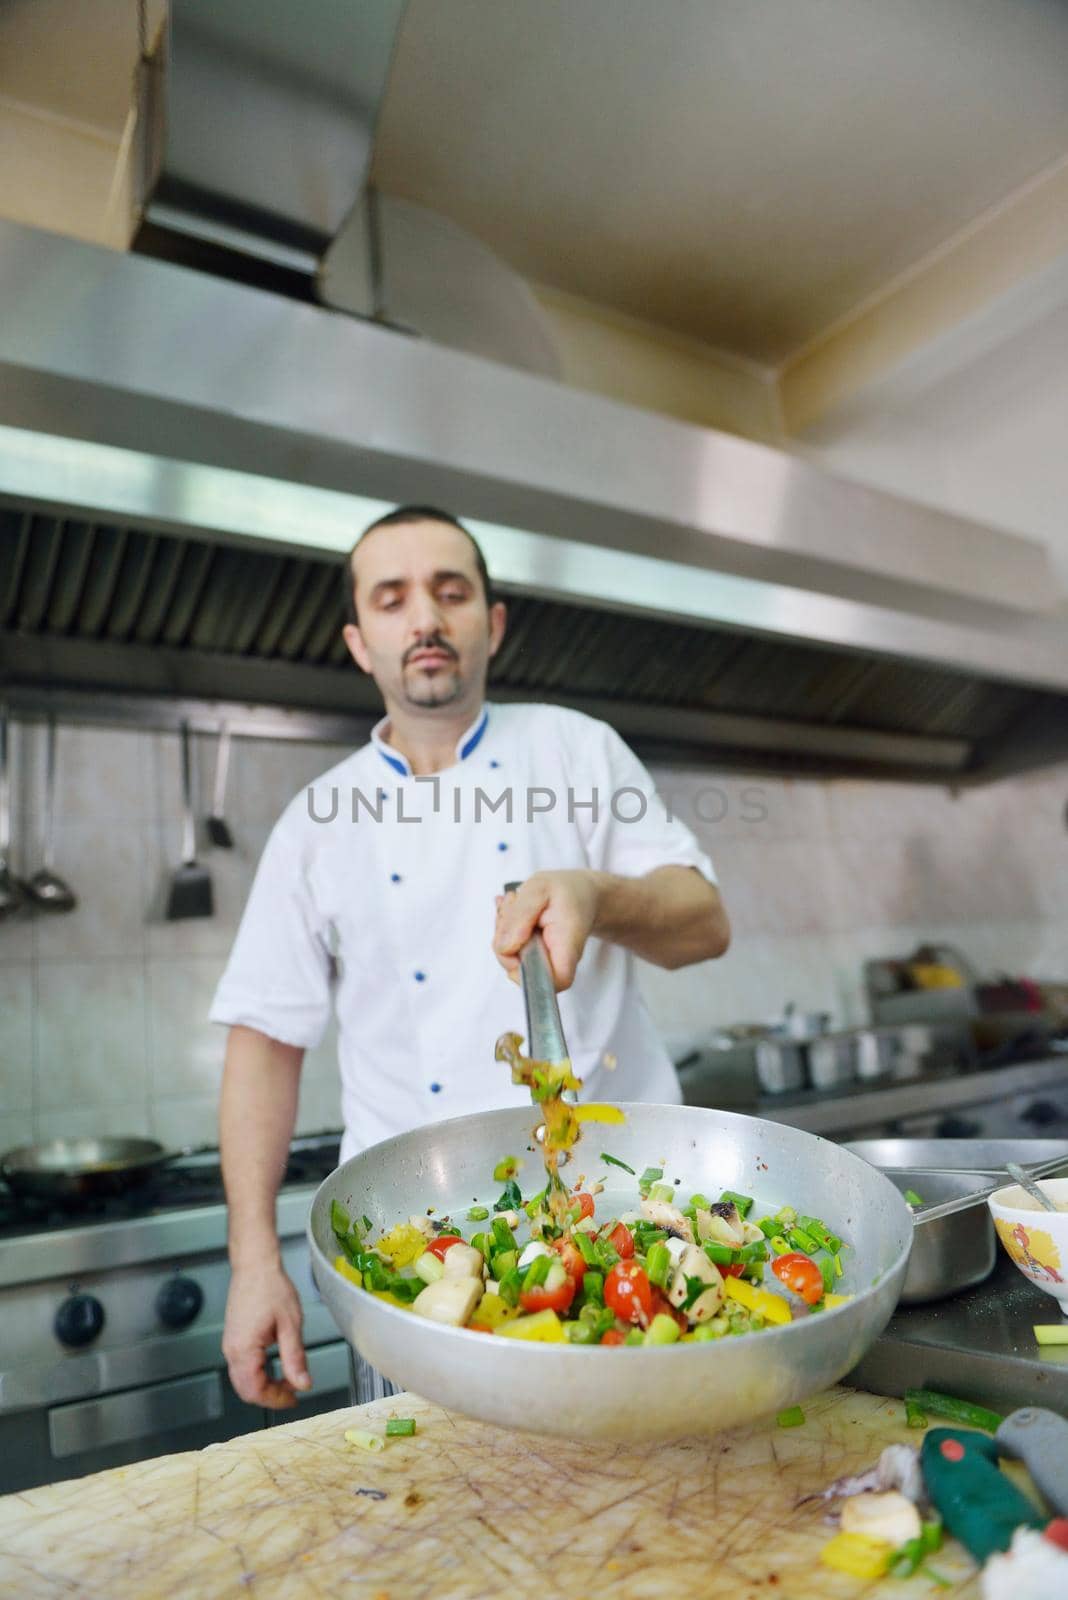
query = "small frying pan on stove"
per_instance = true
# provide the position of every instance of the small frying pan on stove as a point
(69, 1171)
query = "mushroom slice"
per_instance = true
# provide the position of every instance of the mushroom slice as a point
(449, 1300)
(668, 1217)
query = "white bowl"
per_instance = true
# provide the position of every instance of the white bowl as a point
(1036, 1240)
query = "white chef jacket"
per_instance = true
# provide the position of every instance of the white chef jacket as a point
(376, 892)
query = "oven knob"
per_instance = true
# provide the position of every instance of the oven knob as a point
(79, 1320)
(179, 1302)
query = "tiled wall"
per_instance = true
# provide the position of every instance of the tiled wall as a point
(102, 1013)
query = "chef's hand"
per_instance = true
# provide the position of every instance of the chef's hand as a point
(562, 907)
(263, 1308)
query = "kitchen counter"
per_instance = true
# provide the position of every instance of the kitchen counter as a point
(462, 1511)
(866, 1104)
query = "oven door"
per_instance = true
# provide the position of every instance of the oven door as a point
(52, 1443)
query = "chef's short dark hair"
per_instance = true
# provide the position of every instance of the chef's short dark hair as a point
(393, 519)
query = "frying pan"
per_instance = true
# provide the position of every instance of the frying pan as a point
(71, 1170)
(625, 1394)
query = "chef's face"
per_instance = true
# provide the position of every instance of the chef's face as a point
(425, 631)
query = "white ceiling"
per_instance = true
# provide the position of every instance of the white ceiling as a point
(744, 171)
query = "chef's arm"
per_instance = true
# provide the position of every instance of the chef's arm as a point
(257, 1115)
(672, 917)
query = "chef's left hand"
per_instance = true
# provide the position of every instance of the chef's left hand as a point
(562, 907)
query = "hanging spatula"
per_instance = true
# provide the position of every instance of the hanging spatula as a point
(190, 892)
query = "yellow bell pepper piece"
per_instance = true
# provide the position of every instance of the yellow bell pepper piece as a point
(402, 1244)
(595, 1112)
(857, 1555)
(347, 1270)
(1051, 1332)
(832, 1300)
(771, 1306)
(491, 1311)
(542, 1327)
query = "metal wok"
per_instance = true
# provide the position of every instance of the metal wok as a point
(627, 1394)
(69, 1171)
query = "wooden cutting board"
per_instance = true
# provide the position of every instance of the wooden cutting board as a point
(462, 1511)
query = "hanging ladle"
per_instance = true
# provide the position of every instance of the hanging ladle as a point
(12, 893)
(47, 890)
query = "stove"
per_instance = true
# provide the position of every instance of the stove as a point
(112, 1320)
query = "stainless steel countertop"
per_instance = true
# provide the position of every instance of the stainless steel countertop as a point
(979, 1346)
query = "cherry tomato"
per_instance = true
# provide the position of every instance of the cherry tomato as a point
(542, 1299)
(613, 1336)
(622, 1241)
(733, 1269)
(571, 1256)
(585, 1203)
(628, 1293)
(662, 1306)
(801, 1275)
(443, 1242)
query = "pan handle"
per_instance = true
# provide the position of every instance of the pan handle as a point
(545, 1031)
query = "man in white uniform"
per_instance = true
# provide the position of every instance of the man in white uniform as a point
(379, 896)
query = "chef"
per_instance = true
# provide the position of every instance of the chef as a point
(379, 900)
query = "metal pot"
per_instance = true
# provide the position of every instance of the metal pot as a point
(780, 1065)
(69, 1171)
(585, 1392)
(832, 1060)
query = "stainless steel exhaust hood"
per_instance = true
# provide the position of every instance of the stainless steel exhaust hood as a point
(182, 459)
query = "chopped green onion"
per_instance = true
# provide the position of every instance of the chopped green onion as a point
(339, 1218)
(614, 1161)
(511, 1199)
(779, 1245)
(803, 1241)
(400, 1427)
(502, 1261)
(587, 1249)
(698, 1202)
(792, 1418)
(837, 1261)
(484, 1242)
(720, 1255)
(658, 1264)
(786, 1216)
(364, 1440)
(509, 1286)
(662, 1192)
(768, 1226)
(757, 1251)
(662, 1330)
(915, 1417)
(366, 1224)
(503, 1236)
(945, 1405)
(581, 1332)
(706, 1331)
(607, 1254)
(744, 1202)
(826, 1267)
(650, 1176)
(477, 1214)
(429, 1267)
(912, 1198)
(1051, 1332)
(593, 1289)
(556, 1276)
(635, 1336)
(506, 1168)
(536, 1273)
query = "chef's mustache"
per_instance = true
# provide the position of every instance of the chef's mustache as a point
(433, 641)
